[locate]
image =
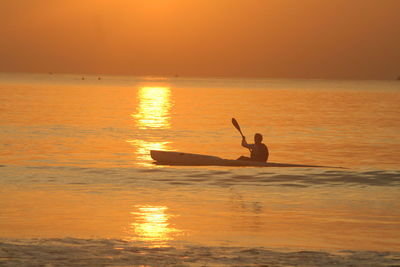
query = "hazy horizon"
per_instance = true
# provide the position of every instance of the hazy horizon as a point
(97, 76)
(313, 39)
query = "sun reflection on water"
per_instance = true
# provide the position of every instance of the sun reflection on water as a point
(151, 225)
(153, 112)
(154, 108)
(143, 147)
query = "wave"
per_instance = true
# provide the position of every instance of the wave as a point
(301, 177)
(113, 252)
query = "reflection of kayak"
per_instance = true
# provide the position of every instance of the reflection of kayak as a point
(188, 159)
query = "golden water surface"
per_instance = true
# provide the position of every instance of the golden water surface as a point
(75, 162)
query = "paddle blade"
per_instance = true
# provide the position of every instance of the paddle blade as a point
(236, 124)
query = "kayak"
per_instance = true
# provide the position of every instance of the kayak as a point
(189, 159)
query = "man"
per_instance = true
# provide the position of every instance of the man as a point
(258, 151)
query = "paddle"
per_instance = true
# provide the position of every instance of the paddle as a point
(236, 124)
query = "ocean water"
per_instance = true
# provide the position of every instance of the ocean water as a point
(77, 184)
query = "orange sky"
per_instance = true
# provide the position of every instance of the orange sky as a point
(357, 39)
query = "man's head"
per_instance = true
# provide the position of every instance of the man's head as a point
(258, 138)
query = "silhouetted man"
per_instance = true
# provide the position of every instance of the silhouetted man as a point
(258, 151)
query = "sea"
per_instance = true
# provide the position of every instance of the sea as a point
(78, 186)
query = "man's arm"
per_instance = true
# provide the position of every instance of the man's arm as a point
(245, 144)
